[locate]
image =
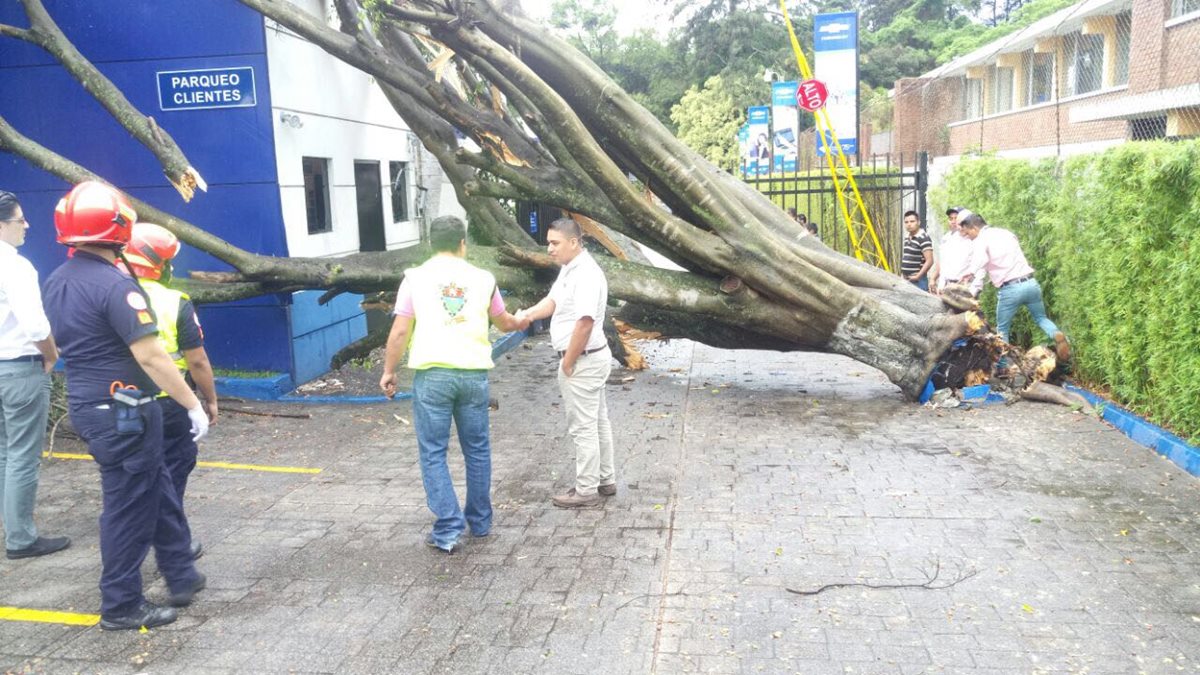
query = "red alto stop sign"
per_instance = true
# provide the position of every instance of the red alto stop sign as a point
(811, 95)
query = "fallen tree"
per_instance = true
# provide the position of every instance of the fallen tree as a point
(549, 126)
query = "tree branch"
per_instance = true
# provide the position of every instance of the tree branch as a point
(18, 33)
(930, 582)
(176, 166)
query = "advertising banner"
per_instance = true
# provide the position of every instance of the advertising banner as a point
(787, 125)
(743, 139)
(758, 145)
(835, 62)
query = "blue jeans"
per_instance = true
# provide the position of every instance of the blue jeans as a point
(1010, 299)
(922, 283)
(24, 404)
(439, 396)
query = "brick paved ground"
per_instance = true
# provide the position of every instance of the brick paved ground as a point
(742, 475)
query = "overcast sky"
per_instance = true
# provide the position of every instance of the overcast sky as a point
(632, 15)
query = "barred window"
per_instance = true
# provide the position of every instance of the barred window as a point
(1040, 76)
(1181, 7)
(972, 99)
(399, 175)
(316, 194)
(1148, 128)
(1002, 90)
(1084, 57)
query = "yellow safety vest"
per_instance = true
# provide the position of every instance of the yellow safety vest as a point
(451, 298)
(166, 303)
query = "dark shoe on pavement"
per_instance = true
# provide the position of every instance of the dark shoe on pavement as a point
(607, 490)
(40, 546)
(148, 615)
(574, 500)
(448, 550)
(197, 550)
(183, 598)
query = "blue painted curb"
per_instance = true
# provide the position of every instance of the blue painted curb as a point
(1165, 443)
(976, 395)
(400, 396)
(255, 388)
(279, 388)
(507, 343)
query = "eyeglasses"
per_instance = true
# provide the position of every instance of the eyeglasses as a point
(15, 220)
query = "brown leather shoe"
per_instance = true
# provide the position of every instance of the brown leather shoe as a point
(573, 500)
(607, 490)
(1062, 348)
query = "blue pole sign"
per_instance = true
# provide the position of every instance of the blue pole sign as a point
(787, 125)
(758, 153)
(835, 62)
(206, 88)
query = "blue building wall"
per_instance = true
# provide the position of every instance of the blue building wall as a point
(319, 331)
(232, 148)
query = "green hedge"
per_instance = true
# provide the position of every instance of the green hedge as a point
(1113, 237)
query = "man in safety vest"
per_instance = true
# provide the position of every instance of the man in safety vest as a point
(149, 253)
(446, 306)
(116, 366)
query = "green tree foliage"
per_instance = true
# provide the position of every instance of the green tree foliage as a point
(589, 26)
(910, 43)
(649, 68)
(738, 40)
(973, 36)
(707, 120)
(1113, 238)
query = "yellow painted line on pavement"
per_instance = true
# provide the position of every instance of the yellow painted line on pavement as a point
(213, 465)
(66, 455)
(257, 467)
(44, 616)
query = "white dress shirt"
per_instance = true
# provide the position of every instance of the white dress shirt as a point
(955, 259)
(580, 290)
(22, 319)
(998, 252)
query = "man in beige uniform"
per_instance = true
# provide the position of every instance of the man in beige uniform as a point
(576, 306)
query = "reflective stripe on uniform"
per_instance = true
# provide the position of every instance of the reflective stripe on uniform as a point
(166, 303)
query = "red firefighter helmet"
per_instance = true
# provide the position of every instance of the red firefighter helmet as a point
(149, 249)
(94, 213)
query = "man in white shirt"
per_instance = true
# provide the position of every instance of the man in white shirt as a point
(576, 306)
(27, 355)
(999, 253)
(954, 254)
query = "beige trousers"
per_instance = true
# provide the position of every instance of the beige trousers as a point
(587, 420)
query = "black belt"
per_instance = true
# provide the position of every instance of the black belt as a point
(1018, 280)
(585, 352)
(28, 358)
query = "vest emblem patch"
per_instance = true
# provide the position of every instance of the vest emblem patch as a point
(453, 299)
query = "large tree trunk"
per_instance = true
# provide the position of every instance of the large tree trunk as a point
(553, 128)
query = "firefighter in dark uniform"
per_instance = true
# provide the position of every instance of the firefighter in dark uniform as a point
(115, 366)
(149, 253)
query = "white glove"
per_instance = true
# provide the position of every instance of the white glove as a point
(199, 420)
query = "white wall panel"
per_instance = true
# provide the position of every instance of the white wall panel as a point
(344, 117)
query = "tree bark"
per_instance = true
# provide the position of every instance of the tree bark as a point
(551, 127)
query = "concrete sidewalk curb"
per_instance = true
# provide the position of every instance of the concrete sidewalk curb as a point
(1165, 443)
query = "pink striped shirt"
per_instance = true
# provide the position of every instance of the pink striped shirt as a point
(998, 252)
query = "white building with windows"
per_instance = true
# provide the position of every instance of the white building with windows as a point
(303, 155)
(1094, 74)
